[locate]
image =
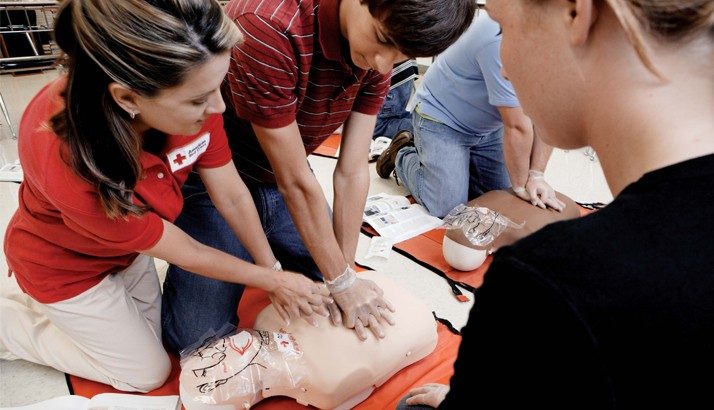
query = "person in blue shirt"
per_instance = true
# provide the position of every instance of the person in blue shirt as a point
(470, 133)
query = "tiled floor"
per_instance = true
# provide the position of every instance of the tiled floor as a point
(574, 173)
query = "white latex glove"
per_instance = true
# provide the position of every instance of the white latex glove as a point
(430, 394)
(538, 192)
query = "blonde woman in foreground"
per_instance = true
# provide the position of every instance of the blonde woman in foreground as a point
(613, 310)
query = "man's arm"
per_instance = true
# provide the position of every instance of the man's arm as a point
(540, 154)
(360, 300)
(526, 157)
(537, 189)
(517, 144)
(303, 195)
(351, 182)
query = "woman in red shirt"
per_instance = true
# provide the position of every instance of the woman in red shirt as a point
(105, 150)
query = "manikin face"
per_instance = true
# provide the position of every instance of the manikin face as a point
(182, 110)
(369, 46)
(542, 66)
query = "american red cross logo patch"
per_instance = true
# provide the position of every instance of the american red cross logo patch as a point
(188, 154)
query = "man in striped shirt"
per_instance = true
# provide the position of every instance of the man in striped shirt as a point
(306, 67)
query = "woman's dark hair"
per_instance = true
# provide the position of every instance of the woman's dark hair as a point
(667, 20)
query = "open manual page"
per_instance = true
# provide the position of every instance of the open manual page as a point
(105, 401)
(393, 217)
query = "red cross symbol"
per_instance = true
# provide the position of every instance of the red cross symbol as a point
(179, 158)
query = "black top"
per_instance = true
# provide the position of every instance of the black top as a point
(612, 310)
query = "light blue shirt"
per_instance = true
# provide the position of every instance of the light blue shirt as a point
(464, 85)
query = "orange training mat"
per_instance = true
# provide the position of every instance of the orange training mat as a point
(329, 147)
(435, 368)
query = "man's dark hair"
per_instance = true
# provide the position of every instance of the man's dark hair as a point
(422, 28)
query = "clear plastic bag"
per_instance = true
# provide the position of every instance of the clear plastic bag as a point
(232, 371)
(480, 225)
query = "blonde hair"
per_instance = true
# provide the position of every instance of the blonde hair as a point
(667, 20)
(146, 45)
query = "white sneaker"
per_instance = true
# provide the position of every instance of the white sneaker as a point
(377, 147)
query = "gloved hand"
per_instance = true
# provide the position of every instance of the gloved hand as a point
(430, 394)
(538, 192)
(361, 303)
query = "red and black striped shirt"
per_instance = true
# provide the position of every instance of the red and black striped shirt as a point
(293, 66)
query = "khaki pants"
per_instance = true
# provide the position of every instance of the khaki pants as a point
(111, 333)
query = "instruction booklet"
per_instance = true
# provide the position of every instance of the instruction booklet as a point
(395, 218)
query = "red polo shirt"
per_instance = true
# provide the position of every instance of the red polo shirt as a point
(293, 66)
(60, 243)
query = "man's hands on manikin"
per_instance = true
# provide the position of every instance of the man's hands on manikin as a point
(362, 304)
(430, 394)
(538, 192)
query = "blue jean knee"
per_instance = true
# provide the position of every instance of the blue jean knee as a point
(445, 166)
(436, 169)
(394, 117)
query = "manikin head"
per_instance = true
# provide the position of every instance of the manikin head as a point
(462, 255)
(247, 361)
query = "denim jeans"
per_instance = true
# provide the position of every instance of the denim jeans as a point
(194, 306)
(446, 167)
(394, 117)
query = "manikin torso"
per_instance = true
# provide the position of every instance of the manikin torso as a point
(325, 366)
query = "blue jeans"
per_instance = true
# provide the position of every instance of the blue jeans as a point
(446, 167)
(394, 117)
(194, 306)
